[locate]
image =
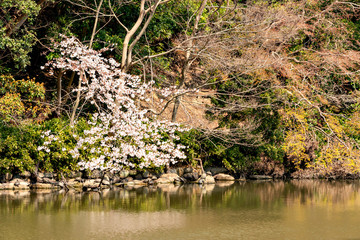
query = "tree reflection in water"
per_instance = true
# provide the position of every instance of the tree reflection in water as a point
(305, 209)
(187, 197)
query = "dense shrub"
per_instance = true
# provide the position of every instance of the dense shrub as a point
(19, 146)
(21, 100)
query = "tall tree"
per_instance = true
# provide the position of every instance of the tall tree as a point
(17, 34)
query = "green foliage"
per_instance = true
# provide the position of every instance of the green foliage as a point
(254, 129)
(11, 107)
(214, 151)
(168, 22)
(20, 46)
(21, 100)
(16, 41)
(28, 89)
(59, 159)
(19, 147)
(28, 7)
(299, 108)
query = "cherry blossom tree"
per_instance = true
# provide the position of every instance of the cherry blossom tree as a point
(121, 133)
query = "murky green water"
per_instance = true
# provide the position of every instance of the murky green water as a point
(252, 210)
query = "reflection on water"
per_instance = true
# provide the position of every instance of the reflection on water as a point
(247, 210)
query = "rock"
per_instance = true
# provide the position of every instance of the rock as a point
(124, 173)
(148, 181)
(98, 180)
(191, 176)
(45, 180)
(72, 183)
(48, 175)
(203, 176)
(170, 176)
(107, 177)
(224, 177)
(154, 178)
(48, 180)
(167, 178)
(145, 174)
(180, 171)
(22, 187)
(163, 181)
(172, 170)
(209, 180)
(14, 180)
(79, 179)
(39, 180)
(20, 183)
(132, 172)
(91, 183)
(139, 183)
(188, 170)
(260, 177)
(216, 170)
(116, 180)
(128, 179)
(25, 174)
(44, 186)
(130, 183)
(208, 173)
(74, 174)
(178, 180)
(110, 175)
(95, 174)
(7, 186)
(40, 175)
(105, 182)
(138, 176)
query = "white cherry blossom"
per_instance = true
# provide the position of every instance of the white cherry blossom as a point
(121, 133)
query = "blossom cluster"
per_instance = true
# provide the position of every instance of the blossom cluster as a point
(173, 91)
(49, 138)
(121, 133)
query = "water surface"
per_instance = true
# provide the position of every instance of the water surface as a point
(251, 210)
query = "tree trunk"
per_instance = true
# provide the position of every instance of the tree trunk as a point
(72, 119)
(95, 24)
(59, 88)
(82, 74)
(130, 34)
(13, 27)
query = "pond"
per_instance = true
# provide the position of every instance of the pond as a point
(241, 210)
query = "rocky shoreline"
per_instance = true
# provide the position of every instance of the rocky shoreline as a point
(96, 180)
(85, 181)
